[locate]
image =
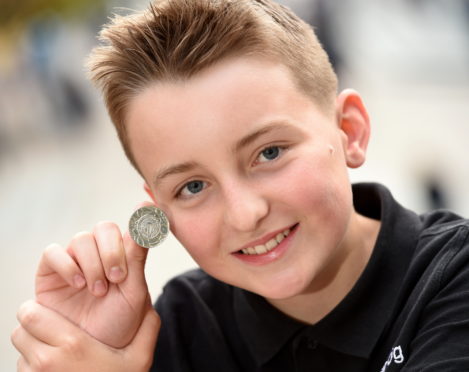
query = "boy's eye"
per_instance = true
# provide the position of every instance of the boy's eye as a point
(191, 188)
(269, 153)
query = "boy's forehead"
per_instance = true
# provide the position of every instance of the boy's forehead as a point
(250, 83)
(226, 101)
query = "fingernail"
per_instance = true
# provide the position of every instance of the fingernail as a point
(79, 281)
(99, 288)
(116, 273)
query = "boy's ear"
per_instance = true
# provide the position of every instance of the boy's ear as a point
(354, 123)
(149, 192)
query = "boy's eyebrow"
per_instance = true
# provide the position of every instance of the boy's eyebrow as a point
(250, 138)
(243, 142)
(173, 169)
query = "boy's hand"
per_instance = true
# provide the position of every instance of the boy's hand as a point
(49, 342)
(98, 283)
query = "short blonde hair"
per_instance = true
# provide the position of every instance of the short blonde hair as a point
(175, 39)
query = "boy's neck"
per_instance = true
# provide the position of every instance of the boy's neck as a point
(340, 276)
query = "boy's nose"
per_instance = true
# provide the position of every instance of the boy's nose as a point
(245, 208)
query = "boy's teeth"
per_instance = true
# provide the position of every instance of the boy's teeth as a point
(271, 244)
(259, 249)
(279, 237)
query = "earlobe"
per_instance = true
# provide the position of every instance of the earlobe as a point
(354, 123)
(149, 192)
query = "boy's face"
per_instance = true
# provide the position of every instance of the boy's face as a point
(237, 156)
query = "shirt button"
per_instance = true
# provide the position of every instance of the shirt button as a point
(311, 344)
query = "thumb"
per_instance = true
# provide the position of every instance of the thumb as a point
(135, 254)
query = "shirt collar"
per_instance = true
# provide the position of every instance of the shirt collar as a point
(355, 325)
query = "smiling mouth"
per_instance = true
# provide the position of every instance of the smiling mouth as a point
(269, 245)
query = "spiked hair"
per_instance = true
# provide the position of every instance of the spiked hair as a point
(175, 39)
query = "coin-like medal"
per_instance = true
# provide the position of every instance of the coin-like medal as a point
(148, 226)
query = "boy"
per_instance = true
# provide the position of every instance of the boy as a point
(228, 110)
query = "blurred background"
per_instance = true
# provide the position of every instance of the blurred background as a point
(62, 169)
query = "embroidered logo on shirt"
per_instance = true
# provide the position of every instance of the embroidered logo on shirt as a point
(396, 355)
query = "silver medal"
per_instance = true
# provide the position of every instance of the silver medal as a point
(148, 226)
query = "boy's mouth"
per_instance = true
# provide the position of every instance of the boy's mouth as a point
(269, 245)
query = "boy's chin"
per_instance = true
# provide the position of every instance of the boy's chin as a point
(280, 290)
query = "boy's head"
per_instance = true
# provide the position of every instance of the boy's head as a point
(228, 109)
(175, 39)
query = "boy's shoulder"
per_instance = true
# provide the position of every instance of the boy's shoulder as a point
(444, 242)
(376, 201)
(417, 282)
(442, 221)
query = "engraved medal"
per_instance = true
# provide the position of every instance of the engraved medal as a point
(148, 226)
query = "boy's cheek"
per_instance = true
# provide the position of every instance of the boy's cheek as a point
(194, 230)
(317, 190)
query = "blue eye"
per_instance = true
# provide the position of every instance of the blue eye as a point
(269, 153)
(192, 187)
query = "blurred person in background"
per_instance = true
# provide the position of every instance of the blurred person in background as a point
(41, 70)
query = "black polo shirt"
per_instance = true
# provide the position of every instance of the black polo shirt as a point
(409, 310)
